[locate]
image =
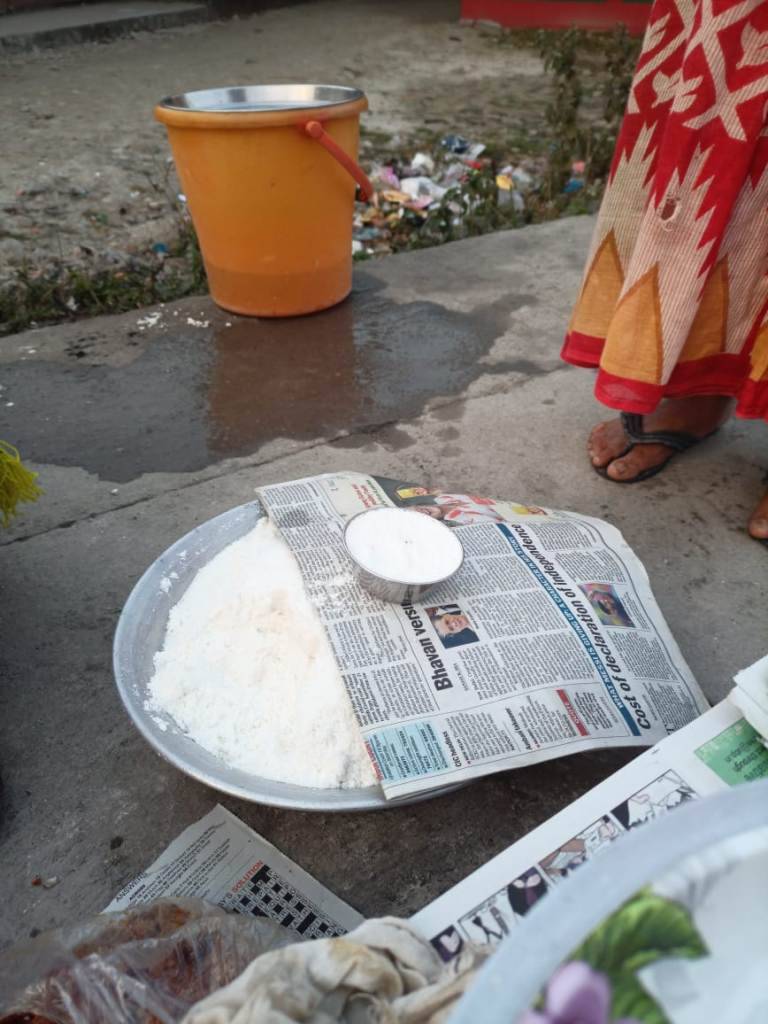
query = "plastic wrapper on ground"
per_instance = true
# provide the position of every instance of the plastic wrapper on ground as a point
(145, 965)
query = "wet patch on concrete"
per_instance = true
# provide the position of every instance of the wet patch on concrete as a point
(393, 438)
(194, 397)
(451, 412)
(448, 434)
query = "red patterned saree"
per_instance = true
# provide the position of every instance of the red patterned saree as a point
(675, 296)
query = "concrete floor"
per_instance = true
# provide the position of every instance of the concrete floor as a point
(443, 368)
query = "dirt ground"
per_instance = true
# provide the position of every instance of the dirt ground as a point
(85, 170)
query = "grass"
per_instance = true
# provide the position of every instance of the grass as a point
(33, 298)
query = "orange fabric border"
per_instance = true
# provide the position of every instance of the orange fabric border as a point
(724, 374)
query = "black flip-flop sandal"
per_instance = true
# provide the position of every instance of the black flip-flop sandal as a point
(678, 440)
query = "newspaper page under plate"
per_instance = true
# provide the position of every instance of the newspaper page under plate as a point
(547, 642)
(718, 750)
(221, 860)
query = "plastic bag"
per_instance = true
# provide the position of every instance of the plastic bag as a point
(145, 965)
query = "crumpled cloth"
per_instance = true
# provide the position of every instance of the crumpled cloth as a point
(381, 973)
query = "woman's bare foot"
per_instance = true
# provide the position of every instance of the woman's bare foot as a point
(699, 416)
(758, 521)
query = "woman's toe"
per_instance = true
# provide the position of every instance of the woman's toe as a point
(606, 442)
(758, 521)
(624, 468)
(641, 458)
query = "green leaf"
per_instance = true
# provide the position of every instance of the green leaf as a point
(647, 924)
(650, 956)
(631, 1000)
(643, 930)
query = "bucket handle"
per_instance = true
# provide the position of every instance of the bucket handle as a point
(316, 131)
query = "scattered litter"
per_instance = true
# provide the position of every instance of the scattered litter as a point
(198, 323)
(455, 143)
(508, 194)
(150, 320)
(114, 490)
(462, 147)
(455, 173)
(395, 196)
(422, 188)
(46, 883)
(576, 182)
(9, 405)
(160, 248)
(439, 191)
(522, 179)
(228, 324)
(385, 176)
(423, 162)
(71, 304)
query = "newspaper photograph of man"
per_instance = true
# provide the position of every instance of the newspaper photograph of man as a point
(452, 625)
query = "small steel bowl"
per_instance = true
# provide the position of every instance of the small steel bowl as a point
(386, 588)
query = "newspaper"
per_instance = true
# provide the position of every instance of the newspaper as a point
(221, 860)
(718, 750)
(547, 642)
(751, 695)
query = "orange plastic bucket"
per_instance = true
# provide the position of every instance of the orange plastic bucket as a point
(269, 173)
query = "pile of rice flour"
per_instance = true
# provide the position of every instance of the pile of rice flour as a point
(248, 672)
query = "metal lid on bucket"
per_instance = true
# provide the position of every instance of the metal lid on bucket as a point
(261, 98)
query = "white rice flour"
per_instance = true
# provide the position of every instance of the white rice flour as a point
(403, 545)
(247, 671)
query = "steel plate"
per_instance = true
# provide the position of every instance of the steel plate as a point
(140, 633)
